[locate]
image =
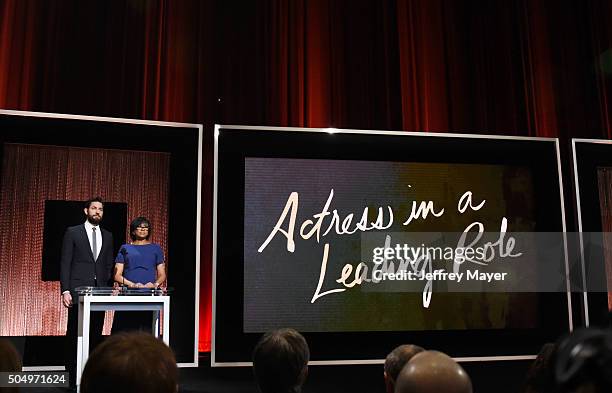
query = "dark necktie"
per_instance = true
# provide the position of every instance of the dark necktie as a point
(94, 243)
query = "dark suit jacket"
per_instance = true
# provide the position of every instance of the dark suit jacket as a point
(77, 266)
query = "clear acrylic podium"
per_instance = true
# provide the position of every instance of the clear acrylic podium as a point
(104, 299)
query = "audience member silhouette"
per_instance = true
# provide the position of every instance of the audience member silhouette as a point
(540, 376)
(584, 362)
(128, 363)
(10, 361)
(395, 361)
(9, 358)
(280, 361)
(432, 372)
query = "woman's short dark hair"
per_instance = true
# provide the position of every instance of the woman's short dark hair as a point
(138, 221)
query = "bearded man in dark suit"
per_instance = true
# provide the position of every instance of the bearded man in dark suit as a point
(86, 260)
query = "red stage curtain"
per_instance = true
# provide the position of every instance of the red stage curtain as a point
(527, 67)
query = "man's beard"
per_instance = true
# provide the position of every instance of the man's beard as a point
(94, 219)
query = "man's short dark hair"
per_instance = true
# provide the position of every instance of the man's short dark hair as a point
(138, 221)
(280, 361)
(398, 358)
(88, 202)
(131, 362)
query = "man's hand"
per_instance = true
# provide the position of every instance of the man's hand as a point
(67, 299)
(149, 285)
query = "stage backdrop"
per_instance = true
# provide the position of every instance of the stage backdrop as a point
(32, 174)
(525, 67)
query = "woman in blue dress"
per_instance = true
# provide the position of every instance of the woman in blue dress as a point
(139, 264)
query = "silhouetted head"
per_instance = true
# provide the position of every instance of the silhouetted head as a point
(432, 372)
(541, 377)
(10, 361)
(131, 362)
(280, 361)
(583, 362)
(395, 361)
(9, 358)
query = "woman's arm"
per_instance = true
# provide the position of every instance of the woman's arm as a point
(161, 274)
(119, 278)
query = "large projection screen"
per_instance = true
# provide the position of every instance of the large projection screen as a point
(299, 214)
(53, 162)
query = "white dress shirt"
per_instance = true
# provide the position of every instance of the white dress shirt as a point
(88, 229)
